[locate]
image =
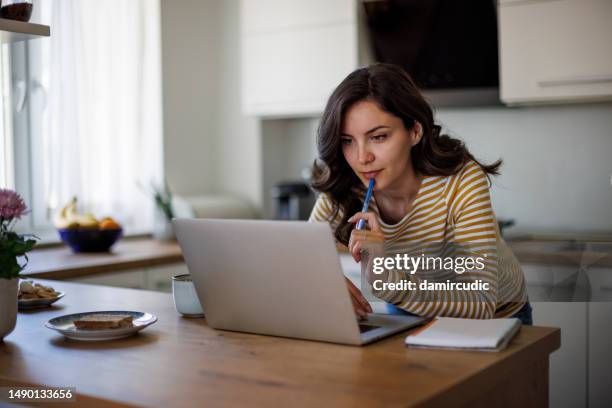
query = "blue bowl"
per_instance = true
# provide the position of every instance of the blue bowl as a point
(90, 240)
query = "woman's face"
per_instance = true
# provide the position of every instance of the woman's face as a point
(376, 144)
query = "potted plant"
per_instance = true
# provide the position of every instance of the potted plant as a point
(13, 257)
(164, 212)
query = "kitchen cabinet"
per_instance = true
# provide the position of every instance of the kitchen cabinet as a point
(551, 289)
(133, 279)
(580, 369)
(295, 53)
(600, 358)
(554, 51)
(600, 337)
(158, 278)
(261, 16)
(568, 365)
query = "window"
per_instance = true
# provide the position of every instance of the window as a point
(91, 124)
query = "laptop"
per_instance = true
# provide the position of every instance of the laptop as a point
(277, 278)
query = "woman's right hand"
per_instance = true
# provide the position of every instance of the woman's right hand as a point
(360, 304)
(372, 240)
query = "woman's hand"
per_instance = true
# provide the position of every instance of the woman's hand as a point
(365, 239)
(360, 304)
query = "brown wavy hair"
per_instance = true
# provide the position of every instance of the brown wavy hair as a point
(395, 92)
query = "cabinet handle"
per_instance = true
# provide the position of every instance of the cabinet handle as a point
(593, 79)
(503, 3)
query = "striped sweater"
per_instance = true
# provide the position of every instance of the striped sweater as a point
(456, 210)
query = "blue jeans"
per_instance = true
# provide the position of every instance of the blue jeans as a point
(524, 315)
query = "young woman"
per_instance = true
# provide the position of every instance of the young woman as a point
(428, 189)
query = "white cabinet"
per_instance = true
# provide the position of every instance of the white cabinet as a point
(580, 369)
(157, 278)
(600, 338)
(600, 358)
(294, 53)
(555, 50)
(260, 16)
(568, 365)
(551, 289)
(133, 279)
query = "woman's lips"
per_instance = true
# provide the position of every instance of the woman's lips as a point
(370, 174)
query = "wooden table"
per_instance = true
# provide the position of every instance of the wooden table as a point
(179, 362)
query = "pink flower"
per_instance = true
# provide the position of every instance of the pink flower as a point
(11, 205)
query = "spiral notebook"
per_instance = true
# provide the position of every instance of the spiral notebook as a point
(465, 334)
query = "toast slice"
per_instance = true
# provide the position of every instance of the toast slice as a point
(102, 321)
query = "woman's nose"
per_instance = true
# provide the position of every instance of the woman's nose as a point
(365, 155)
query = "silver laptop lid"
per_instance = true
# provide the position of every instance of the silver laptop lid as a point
(280, 278)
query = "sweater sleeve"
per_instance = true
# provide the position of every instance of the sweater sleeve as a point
(474, 235)
(324, 211)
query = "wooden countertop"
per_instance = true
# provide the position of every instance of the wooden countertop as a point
(182, 362)
(62, 263)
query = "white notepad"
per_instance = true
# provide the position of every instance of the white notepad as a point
(466, 334)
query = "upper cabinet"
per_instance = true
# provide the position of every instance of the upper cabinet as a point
(294, 53)
(555, 50)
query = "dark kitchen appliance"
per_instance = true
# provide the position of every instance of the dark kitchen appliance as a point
(292, 201)
(445, 45)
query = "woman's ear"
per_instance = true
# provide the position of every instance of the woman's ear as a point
(417, 133)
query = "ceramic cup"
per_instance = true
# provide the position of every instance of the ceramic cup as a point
(185, 297)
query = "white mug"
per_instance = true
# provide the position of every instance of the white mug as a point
(185, 297)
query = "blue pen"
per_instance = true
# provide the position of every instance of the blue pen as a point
(366, 204)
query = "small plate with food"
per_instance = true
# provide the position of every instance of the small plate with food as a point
(100, 326)
(34, 295)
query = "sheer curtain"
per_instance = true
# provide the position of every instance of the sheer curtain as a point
(6, 145)
(100, 130)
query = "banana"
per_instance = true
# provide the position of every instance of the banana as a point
(69, 217)
(87, 221)
(62, 217)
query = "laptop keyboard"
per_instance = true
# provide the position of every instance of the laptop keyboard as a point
(367, 327)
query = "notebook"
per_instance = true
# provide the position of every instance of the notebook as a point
(466, 334)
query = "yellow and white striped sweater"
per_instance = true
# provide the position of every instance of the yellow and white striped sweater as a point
(450, 209)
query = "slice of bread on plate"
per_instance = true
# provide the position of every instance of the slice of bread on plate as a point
(103, 321)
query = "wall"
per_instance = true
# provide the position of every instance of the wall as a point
(189, 53)
(557, 163)
(210, 147)
(288, 149)
(237, 157)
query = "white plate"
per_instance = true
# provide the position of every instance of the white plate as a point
(65, 325)
(38, 303)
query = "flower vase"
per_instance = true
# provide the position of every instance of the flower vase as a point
(162, 228)
(163, 231)
(8, 305)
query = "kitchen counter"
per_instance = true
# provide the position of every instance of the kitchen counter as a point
(61, 263)
(181, 362)
(563, 252)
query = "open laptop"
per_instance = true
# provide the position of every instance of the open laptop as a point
(279, 278)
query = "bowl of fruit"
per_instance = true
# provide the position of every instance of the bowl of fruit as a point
(84, 232)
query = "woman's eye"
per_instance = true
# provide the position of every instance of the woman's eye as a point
(379, 137)
(346, 141)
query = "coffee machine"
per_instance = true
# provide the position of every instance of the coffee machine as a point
(292, 200)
